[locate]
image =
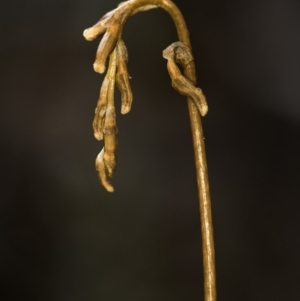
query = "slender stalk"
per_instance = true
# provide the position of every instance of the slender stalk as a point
(200, 155)
(111, 37)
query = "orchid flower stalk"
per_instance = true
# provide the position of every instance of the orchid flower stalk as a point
(112, 48)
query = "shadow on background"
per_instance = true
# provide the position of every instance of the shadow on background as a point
(64, 238)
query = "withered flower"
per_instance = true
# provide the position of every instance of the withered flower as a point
(181, 54)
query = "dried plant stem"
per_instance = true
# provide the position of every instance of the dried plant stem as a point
(199, 149)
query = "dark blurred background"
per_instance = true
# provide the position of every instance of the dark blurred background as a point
(64, 238)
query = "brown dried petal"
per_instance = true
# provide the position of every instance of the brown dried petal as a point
(122, 53)
(122, 81)
(122, 78)
(110, 140)
(100, 111)
(110, 158)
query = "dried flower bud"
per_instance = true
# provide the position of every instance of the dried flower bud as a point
(180, 53)
(122, 78)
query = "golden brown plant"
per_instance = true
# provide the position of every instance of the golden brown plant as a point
(179, 53)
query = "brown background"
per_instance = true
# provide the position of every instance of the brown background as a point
(62, 237)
